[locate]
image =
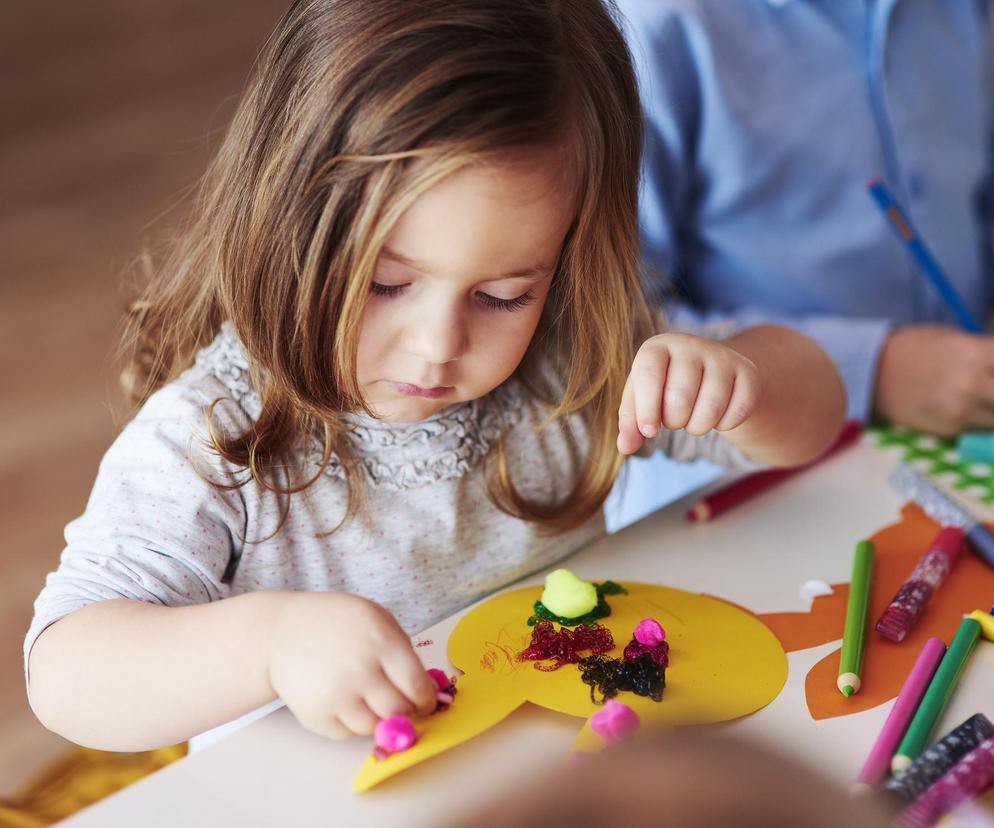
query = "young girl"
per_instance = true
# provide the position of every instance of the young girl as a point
(391, 368)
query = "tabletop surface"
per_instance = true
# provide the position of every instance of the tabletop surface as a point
(273, 772)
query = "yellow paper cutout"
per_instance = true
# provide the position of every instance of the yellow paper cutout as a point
(724, 663)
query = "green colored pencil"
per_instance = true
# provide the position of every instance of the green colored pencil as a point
(851, 662)
(940, 690)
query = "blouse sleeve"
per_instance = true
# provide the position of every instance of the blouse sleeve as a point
(685, 448)
(155, 529)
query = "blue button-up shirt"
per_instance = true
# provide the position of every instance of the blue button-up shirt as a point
(764, 121)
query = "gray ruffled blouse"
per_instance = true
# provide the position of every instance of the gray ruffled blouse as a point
(428, 541)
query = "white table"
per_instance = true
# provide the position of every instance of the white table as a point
(273, 772)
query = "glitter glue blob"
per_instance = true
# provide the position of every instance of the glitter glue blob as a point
(643, 676)
(564, 646)
(614, 722)
(393, 735)
(660, 652)
(601, 610)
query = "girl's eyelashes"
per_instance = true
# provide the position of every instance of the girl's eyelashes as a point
(517, 303)
(492, 302)
(386, 290)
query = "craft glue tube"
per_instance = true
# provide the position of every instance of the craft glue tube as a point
(969, 777)
(940, 690)
(854, 635)
(903, 611)
(941, 507)
(940, 757)
(877, 764)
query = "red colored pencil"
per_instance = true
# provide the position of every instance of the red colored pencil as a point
(709, 507)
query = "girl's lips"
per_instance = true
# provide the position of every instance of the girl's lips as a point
(417, 391)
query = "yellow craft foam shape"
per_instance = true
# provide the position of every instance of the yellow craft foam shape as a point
(724, 663)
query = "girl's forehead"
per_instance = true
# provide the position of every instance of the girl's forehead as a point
(510, 217)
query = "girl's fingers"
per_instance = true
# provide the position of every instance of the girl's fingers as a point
(356, 716)
(407, 674)
(330, 727)
(647, 379)
(683, 381)
(629, 437)
(743, 401)
(712, 400)
(385, 700)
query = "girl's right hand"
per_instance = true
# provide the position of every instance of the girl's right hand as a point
(341, 663)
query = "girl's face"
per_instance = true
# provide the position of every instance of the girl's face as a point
(459, 287)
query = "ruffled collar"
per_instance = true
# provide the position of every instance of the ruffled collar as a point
(392, 455)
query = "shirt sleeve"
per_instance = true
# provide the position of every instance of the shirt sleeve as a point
(665, 48)
(662, 54)
(686, 448)
(155, 529)
(854, 344)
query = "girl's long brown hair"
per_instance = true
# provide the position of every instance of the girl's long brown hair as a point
(356, 107)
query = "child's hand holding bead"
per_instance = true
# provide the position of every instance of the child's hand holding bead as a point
(342, 663)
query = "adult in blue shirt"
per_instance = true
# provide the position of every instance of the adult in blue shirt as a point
(764, 121)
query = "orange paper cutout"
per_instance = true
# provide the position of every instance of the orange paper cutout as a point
(970, 585)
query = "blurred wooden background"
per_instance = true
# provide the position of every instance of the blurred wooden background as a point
(109, 109)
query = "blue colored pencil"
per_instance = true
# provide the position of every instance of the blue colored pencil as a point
(929, 266)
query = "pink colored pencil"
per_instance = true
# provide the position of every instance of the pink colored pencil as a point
(877, 765)
(902, 612)
(733, 494)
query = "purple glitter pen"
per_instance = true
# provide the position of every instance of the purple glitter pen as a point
(968, 778)
(903, 611)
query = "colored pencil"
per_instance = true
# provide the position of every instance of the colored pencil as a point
(940, 690)
(854, 635)
(902, 612)
(877, 765)
(942, 508)
(734, 493)
(921, 254)
(939, 758)
(968, 778)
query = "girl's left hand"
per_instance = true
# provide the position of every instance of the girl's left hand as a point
(683, 381)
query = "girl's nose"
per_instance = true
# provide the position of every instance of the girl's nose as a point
(438, 334)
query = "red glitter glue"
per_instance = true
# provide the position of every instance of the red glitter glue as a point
(564, 646)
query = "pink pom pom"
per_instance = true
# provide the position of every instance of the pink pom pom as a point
(614, 722)
(649, 632)
(442, 681)
(395, 734)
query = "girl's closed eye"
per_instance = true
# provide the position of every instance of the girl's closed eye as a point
(496, 303)
(386, 290)
(486, 299)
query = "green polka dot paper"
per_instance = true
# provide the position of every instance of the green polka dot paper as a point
(938, 458)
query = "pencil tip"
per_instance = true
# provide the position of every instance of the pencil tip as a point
(847, 691)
